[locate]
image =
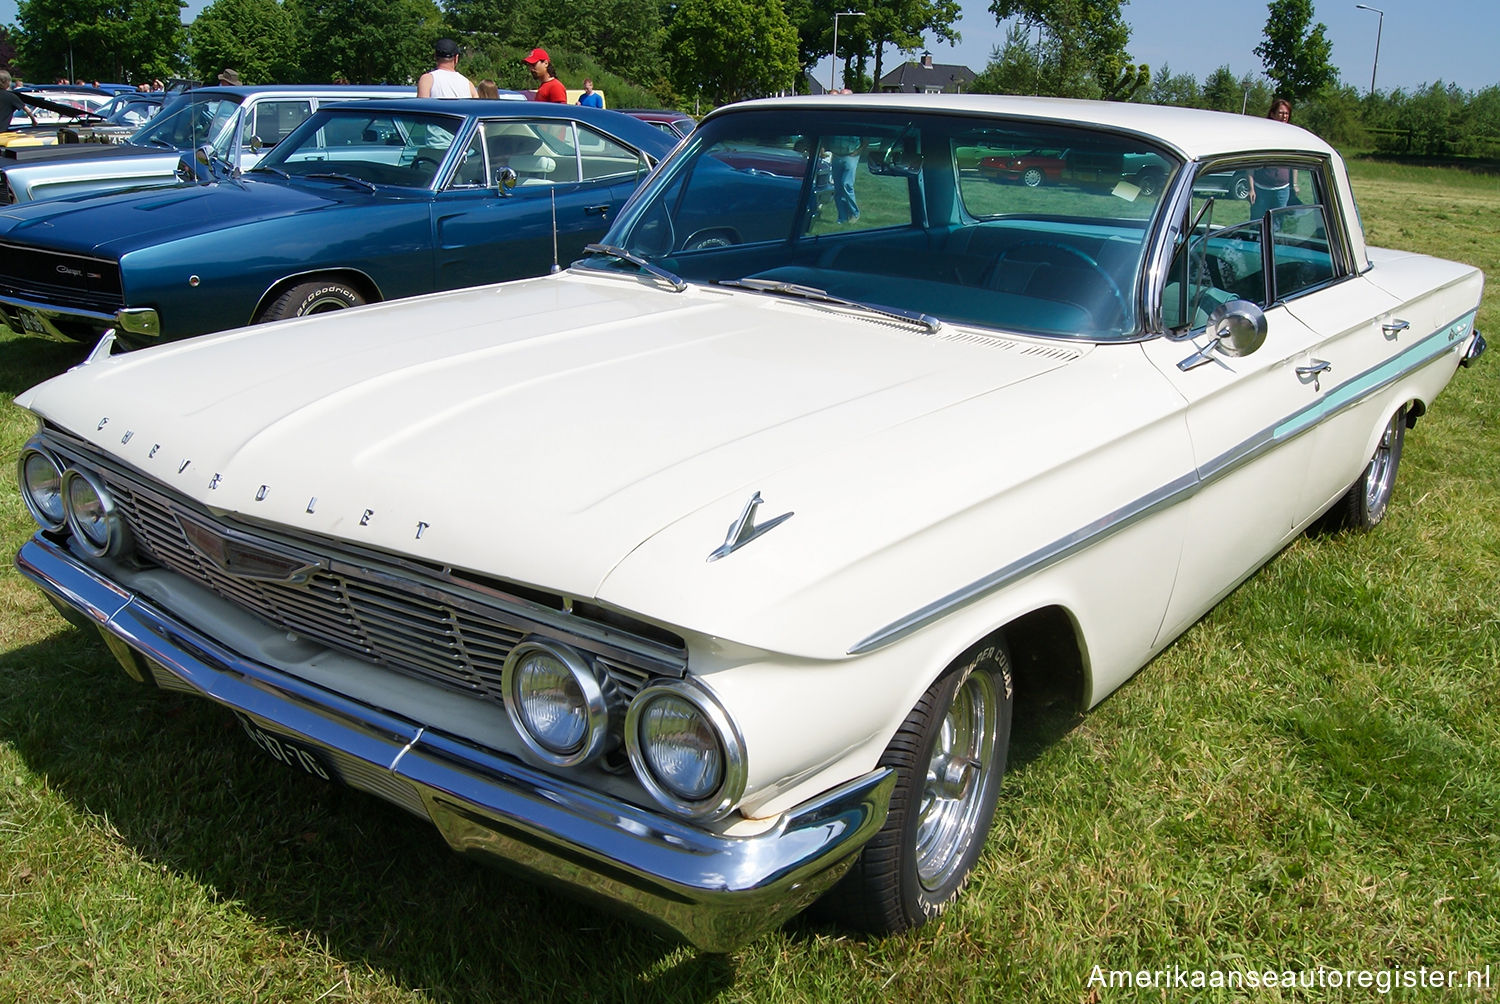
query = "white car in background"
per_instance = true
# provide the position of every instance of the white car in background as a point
(237, 125)
(704, 576)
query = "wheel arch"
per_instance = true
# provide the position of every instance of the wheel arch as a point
(353, 277)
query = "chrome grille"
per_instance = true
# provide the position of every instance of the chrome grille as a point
(457, 641)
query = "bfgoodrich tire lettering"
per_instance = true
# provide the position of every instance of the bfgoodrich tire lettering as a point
(949, 756)
(311, 298)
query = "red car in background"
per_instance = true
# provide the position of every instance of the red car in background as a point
(1033, 169)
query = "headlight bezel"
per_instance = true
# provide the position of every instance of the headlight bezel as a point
(28, 492)
(731, 745)
(116, 531)
(595, 689)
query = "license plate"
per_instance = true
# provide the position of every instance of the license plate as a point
(31, 322)
(288, 752)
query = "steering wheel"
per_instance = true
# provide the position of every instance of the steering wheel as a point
(1072, 252)
(420, 159)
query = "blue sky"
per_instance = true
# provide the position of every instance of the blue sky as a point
(1422, 40)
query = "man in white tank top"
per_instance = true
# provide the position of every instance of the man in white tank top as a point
(444, 80)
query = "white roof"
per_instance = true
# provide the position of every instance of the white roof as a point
(1192, 132)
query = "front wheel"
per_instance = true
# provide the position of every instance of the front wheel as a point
(948, 756)
(1363, 506)
(311, 298)
(1033, 177)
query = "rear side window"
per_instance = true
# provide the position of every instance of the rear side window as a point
(272, 120)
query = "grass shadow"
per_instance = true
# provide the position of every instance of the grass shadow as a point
(183, 787)
(30, 360)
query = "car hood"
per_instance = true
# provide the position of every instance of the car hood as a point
(545, 430)
(117, 223)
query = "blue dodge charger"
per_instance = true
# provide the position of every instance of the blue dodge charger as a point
(362, 202)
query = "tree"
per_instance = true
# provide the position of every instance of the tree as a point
(1084, 49)
(732, 49)
(1180, 89)
(100, 39)
(368, 41)
(261, 39)
(624, 35)
(1295, 55)
(1221, 91)
(1014, 68)
(7, 49)
(905, 24)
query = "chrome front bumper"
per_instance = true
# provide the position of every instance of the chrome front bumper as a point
(713, 890)
(72, 324)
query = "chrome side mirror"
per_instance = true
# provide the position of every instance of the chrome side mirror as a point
(1238, 326)
(506, 178)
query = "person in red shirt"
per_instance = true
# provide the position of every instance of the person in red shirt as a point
(549, 87)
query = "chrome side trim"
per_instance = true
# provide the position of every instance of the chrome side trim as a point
(716, 891)
(1341, 398)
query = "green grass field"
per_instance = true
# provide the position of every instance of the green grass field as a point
(1309, 777)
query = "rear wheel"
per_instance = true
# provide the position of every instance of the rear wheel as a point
(311, 298)
(948, 756)
(1363, 506)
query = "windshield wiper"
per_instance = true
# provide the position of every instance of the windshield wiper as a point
(927, 321)
(675, 282)
(274, 170)
(346, 178)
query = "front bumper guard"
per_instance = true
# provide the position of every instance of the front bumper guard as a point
(713, 890)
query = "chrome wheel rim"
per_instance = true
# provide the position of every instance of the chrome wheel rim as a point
(1032, 178)
(1380, 476)
(958, 774)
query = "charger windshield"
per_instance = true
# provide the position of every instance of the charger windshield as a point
(1013, 224)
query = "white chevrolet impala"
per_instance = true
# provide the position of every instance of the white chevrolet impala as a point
(702, 576)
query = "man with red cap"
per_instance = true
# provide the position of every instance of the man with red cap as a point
(549, 87)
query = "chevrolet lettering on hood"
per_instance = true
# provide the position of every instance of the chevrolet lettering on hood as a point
(705, 576)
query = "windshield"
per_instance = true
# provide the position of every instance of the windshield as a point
(992, 221)
(192, 122)
(381, 147)
(129, 109)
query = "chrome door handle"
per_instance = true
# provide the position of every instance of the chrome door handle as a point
(596, 210)
(1394, 327)
(1315, 369)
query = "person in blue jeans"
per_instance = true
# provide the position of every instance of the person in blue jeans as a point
(1272, 187)
(845, 151)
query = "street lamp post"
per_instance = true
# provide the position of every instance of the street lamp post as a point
(1379, 27)
(832, 85)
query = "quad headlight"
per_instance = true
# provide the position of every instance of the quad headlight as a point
(92, 514)
(40, 475)
(557, 701)
(685, 750)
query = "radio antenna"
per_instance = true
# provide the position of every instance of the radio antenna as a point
(555, 267)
